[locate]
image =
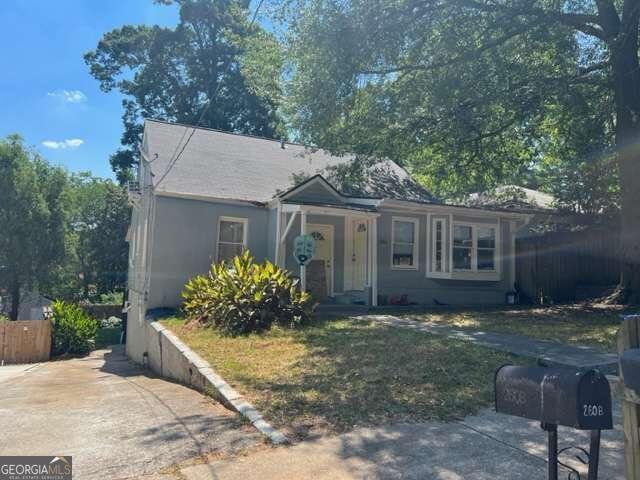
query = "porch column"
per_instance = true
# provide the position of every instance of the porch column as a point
(373, 243)
(303, 268)
(276, 260)
(512, 247)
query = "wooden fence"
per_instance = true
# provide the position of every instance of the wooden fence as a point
(25, 341)
(550, 267)
(629, 337)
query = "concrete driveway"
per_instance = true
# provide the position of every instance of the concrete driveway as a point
(114, 420)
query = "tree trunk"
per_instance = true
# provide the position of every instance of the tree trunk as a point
(624, 56)
(15, 301)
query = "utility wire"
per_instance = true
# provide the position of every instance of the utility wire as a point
(176, 154)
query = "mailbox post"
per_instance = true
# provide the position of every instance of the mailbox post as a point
(557, 396)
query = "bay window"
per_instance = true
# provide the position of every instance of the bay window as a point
(486, 248)
(474, 248)
(462, 247)
(438, 246)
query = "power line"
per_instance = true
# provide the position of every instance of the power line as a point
(174, 157)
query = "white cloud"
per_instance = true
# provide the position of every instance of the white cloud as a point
(71, 143)
(71, 96)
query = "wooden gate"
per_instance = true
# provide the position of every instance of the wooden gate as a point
(629, 337)
(25, 341)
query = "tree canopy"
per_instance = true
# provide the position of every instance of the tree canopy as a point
(466, 94)
(173, 73)
(61, 235)
(472, 93)
(99, 219)
(32, 220)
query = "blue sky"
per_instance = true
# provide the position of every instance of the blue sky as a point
(46, 92)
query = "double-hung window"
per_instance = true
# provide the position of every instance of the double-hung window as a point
(438, 247)
(474, 248)
(404, 243)
(232, 237)
(462, 247)
(486, 256)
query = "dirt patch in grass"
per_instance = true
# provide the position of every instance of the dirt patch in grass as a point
(594, 325)
(338, 374)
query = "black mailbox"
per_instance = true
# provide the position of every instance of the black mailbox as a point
(560, 396)
(630, 366)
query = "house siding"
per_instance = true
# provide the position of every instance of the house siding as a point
(185, 242)
(424, 290)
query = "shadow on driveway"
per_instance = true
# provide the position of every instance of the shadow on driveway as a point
(112, 417)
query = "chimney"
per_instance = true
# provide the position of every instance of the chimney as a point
(282, 143)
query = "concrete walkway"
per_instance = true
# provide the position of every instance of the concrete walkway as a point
(481, 447)
(554, 353)
(114, 420)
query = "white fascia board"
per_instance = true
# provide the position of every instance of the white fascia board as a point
(392, 205)
(365, 201)
(318, 210)
(207, 198)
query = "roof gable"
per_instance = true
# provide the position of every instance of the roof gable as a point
(313, 189)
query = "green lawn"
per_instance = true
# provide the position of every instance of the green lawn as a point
(338, 374)
(585, 324)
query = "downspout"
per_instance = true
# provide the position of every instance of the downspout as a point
(150, 234)
(278, 232)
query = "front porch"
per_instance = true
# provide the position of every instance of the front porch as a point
(343, 270)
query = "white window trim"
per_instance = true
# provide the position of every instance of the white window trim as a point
(245, 232)
(450, 273)
(431, 272)
(416, 241)
(474, 249)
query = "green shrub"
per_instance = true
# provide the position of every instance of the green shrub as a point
(73, 331)
(243, 296)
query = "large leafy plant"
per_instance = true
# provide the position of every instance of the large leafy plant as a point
(243, 296)
(73, 332)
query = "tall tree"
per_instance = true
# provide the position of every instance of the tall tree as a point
(463, 88)
(32, 220)
(99, 218)
(172, 74)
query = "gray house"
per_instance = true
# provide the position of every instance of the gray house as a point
(380, 238)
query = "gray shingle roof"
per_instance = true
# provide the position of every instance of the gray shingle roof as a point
(239, 167)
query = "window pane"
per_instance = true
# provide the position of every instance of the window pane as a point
(438, 249)
(232, 232)
(226, 251)
(403, 255)
(486, 237)
(486, 259)
(462, 258)
(462, 236)
(403, 232)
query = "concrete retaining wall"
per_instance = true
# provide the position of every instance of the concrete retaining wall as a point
(171, 358)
